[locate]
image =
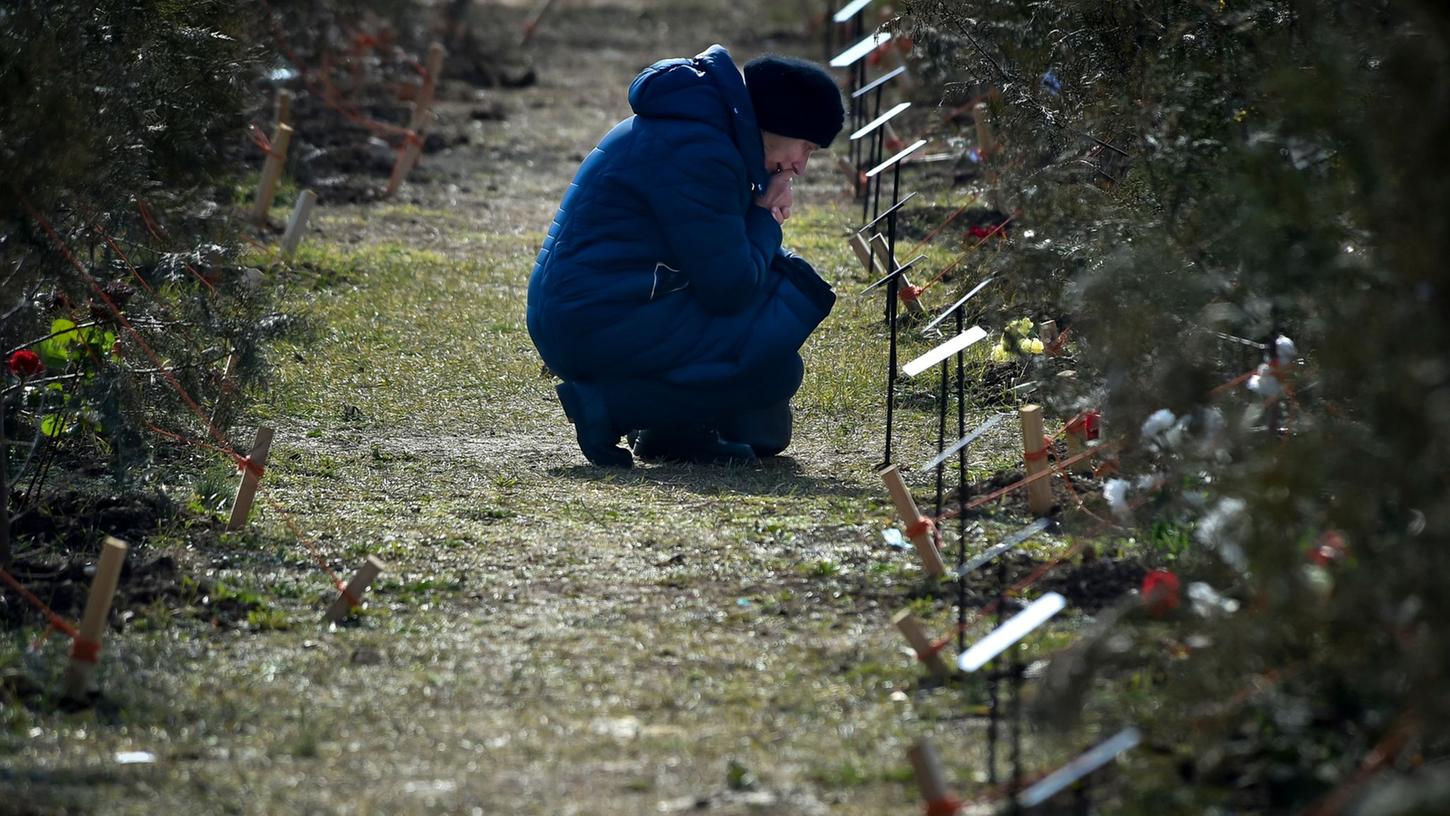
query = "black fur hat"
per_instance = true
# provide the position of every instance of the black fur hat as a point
(796, 98)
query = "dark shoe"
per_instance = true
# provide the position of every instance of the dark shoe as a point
(695, 446)
(596, 436)
(766, 430)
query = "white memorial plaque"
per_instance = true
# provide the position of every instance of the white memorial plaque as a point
(915, 146)
(991, 423)
(1007, 543)
(945, 350)
(879, 121)
(959, 304)
(1017, 627)
(1094, 758)
(852, 55)
(849, 10)
(877, 82)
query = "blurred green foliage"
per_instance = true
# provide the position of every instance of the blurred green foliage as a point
(1194, 171)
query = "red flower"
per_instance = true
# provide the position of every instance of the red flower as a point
(1086, 424)
(1160, 592)
(1329, 548)
(984, 230)
(25, 363)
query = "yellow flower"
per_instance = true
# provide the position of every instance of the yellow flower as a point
(1001, 355)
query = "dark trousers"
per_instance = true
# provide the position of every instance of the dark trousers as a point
(753, 408)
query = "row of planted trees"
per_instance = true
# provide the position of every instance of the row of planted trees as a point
(117, 261)
(1203, 178)
(129, 312)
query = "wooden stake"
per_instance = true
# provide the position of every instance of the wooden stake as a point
(228, 386)
(532, 23)
(433, 65)
(920, 534)
(986, 151)
(985, 146)
(283, 114)
(852, 174)
(892, 137)
(407, 157)
(1077, 439)
(1074, 447)
(251, 477)
(351, 596)
(929, 777)
(911, 630)
(85, 651)
(1039, 493)
(883, 251)
(1047, 332)
(297, 224)
(863, 251)
(272, 173)
(421, 119)
(905, 81)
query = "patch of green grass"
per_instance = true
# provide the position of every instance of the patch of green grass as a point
(268, 620)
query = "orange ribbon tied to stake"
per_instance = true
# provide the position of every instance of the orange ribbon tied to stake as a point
(922, 525)
(260, 139)
(1039, 455)
(86, 651)
(936, 648)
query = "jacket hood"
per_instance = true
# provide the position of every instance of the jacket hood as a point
(710, 89)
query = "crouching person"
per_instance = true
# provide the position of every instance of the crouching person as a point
(662, 296)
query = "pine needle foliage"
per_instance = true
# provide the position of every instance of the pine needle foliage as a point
(115, 120)
(1195, 171)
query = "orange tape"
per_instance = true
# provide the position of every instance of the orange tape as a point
(1039, 455)
(945, 806)
(935, 648)
(246, 465)
(1055, 347)
(922, 525)
(260, 139)
(352, 600)
(56, 621)
(86, 651)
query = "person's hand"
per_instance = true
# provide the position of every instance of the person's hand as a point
(779, 196)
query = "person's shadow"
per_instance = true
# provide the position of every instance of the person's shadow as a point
(773, 476)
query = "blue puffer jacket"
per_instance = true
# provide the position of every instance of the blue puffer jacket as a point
(658, 263)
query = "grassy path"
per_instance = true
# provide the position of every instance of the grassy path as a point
(549, 637)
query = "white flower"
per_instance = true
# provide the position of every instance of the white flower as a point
(1207, 602)
(1222, 530)
(1176, 434)
(1116, 493)
(1265, 383)
(1284, 350)
(1157, 422)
